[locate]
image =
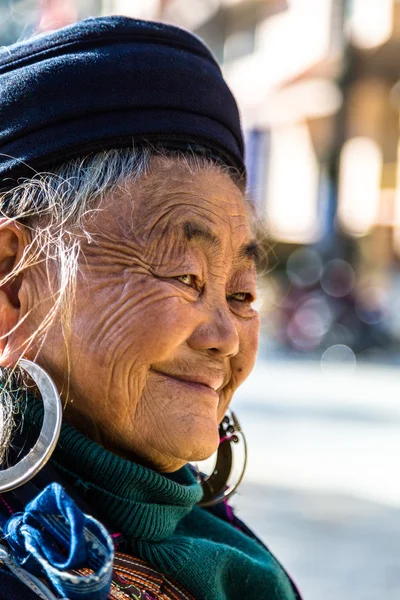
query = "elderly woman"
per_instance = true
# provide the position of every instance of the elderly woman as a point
(127, 280)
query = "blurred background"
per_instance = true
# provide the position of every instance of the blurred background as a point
(318, 84)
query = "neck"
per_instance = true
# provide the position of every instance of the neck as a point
(152, 459)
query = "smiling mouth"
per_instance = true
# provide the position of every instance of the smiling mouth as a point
(195, 382)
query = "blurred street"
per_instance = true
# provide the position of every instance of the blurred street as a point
(322, 486)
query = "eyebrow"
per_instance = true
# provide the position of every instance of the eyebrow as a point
(250, 250)
(195, 231)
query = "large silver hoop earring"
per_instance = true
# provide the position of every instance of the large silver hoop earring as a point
(38, 456)
(217, 486)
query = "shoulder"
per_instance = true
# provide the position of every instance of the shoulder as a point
(224, 512)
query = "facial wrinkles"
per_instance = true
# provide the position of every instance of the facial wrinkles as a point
(134, 316)
(137, 258)
(111, 255)
(157, 205)
(126, 304)
(191, 197)
(171, 255)
(150, 407)
(174, 253)
(170, 246)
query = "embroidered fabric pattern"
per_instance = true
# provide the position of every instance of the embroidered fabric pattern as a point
(134, 579)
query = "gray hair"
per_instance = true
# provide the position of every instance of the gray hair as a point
(54, 208)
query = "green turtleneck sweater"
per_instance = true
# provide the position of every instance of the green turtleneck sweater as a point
(158, 515)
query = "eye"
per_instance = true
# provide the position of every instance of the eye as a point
(187, 279)
(241, 297)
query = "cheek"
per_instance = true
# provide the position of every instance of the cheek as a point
(142, 321)
(243, 363)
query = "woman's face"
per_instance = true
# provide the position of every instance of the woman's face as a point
(164, 330)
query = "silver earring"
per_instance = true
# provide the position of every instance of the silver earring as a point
(217, 486)
(38, 456)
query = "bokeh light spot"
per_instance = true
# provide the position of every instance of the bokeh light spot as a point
(338, 354)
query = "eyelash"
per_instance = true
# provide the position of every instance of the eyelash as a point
(192, 284)
(246, 297)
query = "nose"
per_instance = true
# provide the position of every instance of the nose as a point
(217, 334)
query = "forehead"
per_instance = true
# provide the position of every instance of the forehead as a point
(173, 194)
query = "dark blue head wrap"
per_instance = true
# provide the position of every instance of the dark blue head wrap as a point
(104, 83)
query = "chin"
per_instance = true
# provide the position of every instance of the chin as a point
(199, 454)
(197, 441)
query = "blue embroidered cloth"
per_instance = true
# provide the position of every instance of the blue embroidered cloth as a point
(54, 538)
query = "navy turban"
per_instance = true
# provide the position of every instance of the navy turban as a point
(106, 83)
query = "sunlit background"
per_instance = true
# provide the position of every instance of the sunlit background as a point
(318, 84)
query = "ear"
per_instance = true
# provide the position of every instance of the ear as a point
(13, 241)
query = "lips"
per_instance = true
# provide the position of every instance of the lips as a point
(213, 381)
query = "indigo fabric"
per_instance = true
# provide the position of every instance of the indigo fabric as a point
(102, 83)
(17, 582)
(53, 536)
